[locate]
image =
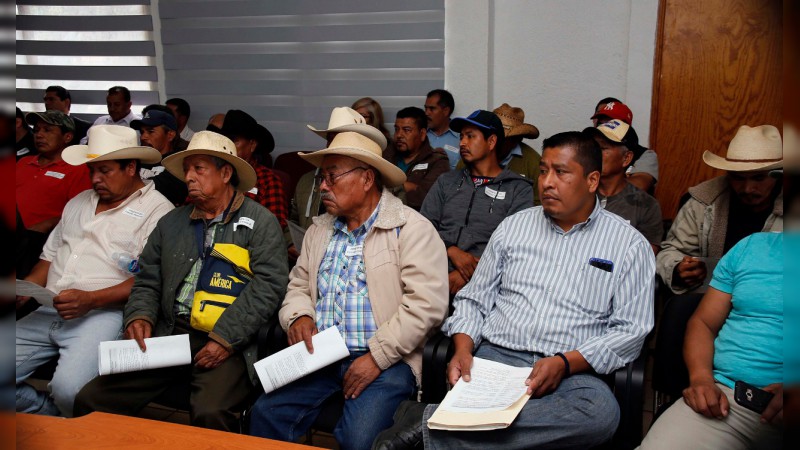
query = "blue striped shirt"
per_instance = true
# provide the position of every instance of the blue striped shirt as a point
(343, 299)
(534, 289)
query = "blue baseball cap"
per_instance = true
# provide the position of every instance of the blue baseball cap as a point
(485, 120)
(154, 118)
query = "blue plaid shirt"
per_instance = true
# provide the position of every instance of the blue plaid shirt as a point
(343, 299)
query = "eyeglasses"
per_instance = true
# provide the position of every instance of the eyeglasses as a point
(330, 178)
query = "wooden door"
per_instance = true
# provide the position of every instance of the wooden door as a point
(718, 66)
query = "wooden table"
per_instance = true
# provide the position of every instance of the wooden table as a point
(110, 431)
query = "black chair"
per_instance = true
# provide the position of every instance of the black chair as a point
(670, 375)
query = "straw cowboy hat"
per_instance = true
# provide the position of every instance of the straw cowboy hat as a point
(348, 119)
(108, 142)
(212, 144)
(752, 149)
(362, 148)
(513, 119)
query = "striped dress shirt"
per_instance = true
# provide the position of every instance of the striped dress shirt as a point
(539, 289)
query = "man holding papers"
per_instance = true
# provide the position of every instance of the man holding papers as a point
(565, 289)
(215, 270)
(115, 216)
(376, 271)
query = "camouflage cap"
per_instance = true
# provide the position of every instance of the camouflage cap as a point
(57, 118)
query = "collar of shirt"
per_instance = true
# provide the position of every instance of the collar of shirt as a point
(238, 199)
(340, 225)
(591, 219)
(516, 151)
(448, 131)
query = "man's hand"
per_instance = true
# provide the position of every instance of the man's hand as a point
(691, 271)
(545, 377)
(456, 282)
(139, 330)
(459, 367)
(211, 355)
(464, 263)
(774, 412)
(361, 373)
(706, 398)
(73, 303)
(301, 330)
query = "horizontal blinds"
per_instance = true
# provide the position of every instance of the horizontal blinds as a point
(87, 46)
(289, 63)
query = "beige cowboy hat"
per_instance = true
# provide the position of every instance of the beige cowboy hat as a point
(210, 143)
(109, 142)
(752, 149)
(513, 119)
(347, 119)
(362, 148)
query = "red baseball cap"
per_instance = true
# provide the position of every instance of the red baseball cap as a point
(615, 110)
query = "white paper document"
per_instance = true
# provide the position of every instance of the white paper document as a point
(126, 356)
(295, 362)
(42, 295)
(493, 387)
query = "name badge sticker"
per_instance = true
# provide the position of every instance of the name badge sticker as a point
(133, 213)
(253, 191)
(244, 222)
(354, 250)
(54, 174)
(498, 195)
(23, 151)
(422, 166)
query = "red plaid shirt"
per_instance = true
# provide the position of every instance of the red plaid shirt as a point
(270, 192)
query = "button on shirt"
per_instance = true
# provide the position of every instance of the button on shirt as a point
(42, 191)
(535, 289)
(343, 299)
(81, 245)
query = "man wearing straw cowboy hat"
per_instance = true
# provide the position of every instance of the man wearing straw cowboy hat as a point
(377, 271)
(215, 270)
(77, 263)
(724, 210)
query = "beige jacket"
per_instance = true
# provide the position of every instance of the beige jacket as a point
(701, 224)
(406, 279)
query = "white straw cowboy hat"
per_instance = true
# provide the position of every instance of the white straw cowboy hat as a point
(513, 119)
(108, 142)
(362, 148)
(347, 119)
(752, 149)
(213, 144)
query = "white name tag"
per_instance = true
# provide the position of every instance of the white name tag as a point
(23, 151)
(133, 213)
(355, 250)
(58, 175)
(451, 149)
(244, 222)
(253, 191)
(147, 174)
(422, 166)
(495, 194)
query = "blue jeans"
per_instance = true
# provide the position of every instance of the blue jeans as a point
(43, 335)
(286, 414)
(582, 412)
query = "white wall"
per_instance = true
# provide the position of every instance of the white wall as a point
(553, 58)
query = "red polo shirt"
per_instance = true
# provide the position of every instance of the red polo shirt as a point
(43, 191)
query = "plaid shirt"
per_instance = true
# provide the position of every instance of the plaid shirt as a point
(343, 299)
(269, 192)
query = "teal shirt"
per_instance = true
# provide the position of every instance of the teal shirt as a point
(749, 346)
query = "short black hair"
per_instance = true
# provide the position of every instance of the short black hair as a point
(607, 100)
(412, 112)
(181, 105)
(21, 115)
(445, 98)
(220, 163)
(587, 151)
(126, 94)
(60, 91)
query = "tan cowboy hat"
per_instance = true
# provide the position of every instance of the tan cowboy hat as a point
(108, 142)
(212, 144)
(348, 119)
(513, 119)
(362, 148)
(752, 149)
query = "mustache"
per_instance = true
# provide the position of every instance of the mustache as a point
(326, 196)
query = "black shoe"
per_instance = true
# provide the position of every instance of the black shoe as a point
(406, 433)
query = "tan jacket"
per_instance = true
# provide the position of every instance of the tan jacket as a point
(701, 224)
(406, 280)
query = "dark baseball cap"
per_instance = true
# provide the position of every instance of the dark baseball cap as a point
(56, 118)
(154, 118)
(482, 119)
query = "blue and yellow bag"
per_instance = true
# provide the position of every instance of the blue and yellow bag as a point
(225, 273)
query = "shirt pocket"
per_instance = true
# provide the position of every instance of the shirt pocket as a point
(381, 258)
(595, 290)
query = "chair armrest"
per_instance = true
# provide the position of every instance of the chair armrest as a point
(629, 391)
(436, 354)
